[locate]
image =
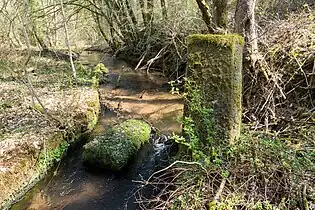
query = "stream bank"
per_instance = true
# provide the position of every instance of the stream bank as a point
(128, 94)
(32, 141)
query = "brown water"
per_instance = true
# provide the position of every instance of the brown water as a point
(129, 94)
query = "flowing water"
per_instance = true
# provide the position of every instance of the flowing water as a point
(128, 94)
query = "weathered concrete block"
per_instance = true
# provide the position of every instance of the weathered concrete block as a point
(215, 72)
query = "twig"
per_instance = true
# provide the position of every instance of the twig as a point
(145, 53)
(151, 61)
(305, 202)
(220, 190)
(174, 163)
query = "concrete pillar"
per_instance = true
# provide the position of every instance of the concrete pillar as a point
(214, 86)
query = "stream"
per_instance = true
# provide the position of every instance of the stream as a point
(129, 94)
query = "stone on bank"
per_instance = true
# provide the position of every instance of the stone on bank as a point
(114, 149)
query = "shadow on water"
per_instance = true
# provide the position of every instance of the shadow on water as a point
(72, 186)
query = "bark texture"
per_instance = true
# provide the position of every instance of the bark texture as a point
(164, 9)
(206, 15)
(220, 13)
(245, 25)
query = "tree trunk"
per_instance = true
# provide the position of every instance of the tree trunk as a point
(97, 19)
(220, 13)
(206, 15)
(143, 11)
(39, 38)
(150, 14)
(245, 25)
(131, 13)
(124, 24)
(37, 25)
(68, 40)
(164, 9)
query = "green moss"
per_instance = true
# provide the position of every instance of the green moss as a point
(114, 149)
(100, 68)
(92, 112)
(38, 107)
(50, 156)
(53, 152)
(217, 39)
(220, 13)
(92, 118)
(137, 131)
(213, 92)
(92, 76)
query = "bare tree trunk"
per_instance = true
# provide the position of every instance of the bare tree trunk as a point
(36, 26)
(39, 39)
(97, 19)
(220, 13)
(55, 26)
(131, 13)
(24, 20)
(245, 25)
(143, 11)
(150, 14)
(120, 18)
(67, 39)
(164, 9)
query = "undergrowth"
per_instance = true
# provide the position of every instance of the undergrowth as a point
(258, 171)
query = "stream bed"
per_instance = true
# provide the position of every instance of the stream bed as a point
(129, 94)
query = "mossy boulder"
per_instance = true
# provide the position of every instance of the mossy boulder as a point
(114, 149)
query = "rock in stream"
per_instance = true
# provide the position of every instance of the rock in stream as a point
(114, 149)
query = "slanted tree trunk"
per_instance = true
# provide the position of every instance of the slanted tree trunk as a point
(109, 41)
(116, 15)
(39, 38)
(206, 15)
(124, 24)
(245, 25)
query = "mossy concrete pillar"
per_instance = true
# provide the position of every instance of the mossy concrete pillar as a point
(214, 86)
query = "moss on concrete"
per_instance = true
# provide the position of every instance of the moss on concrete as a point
(216, 39)
(215, 72)
(53, 151)
(114, 149)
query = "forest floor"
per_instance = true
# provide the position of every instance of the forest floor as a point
(39, 119)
